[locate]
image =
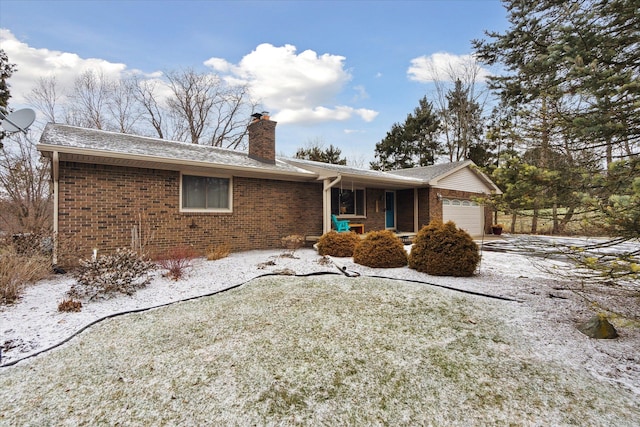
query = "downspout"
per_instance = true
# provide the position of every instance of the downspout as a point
(326, 203)
(55, 171)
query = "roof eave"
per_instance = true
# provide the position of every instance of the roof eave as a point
(169, 163)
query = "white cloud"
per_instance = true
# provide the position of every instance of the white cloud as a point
(311, 115)
(361, 93)
(443, 66)
(297, 86)
(32, 64)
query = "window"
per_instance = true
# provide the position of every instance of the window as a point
(348, 202)
(205, 193)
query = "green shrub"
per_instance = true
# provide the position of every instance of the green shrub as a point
(444, 250)
(123, 272)
(380, 249)
(338, 244)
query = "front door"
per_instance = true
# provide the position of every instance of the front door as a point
(390, 209)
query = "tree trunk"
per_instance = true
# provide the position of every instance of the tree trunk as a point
(556, 222)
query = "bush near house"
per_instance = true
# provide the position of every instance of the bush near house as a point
(176, 261)
(216, 252)
(338, 244)
(444, 250)
(380, 249)
(123, 272)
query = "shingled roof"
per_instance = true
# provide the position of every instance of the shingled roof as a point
(103, 147)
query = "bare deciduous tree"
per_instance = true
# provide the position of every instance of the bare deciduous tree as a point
(45, 97)
(145, 93)
(207, 110)
(88, 101)
(123, 106)
(193, 98)
(24, 179)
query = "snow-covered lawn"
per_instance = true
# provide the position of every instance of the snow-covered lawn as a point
(321, 349)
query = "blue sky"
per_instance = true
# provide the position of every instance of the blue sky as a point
(338, 72)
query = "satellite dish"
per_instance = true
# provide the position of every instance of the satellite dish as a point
(18, 121)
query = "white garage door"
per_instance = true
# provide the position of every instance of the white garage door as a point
(466, 214)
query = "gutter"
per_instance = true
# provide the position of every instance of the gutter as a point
(55, 171)
(178, 164)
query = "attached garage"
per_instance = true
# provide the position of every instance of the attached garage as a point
(467, 215)
(453, 188)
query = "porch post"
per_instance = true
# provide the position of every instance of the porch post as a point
(326, 203)
(416, 211)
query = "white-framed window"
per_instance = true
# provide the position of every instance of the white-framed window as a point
(458, 202)
(199, 193)
(348, 202)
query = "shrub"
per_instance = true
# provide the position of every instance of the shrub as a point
(338, 244)
(444, 250)
(70, 305)
(17, 271)
(291, 244)
(177, 260)
(218, 252)
(380, 249)
(122, 272)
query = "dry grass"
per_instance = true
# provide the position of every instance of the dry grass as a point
(320, 351)
(17, 271)
(581, 224)
(218, 252)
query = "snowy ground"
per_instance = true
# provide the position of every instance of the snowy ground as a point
(549, 317)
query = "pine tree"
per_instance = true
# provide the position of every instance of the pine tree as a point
(6, 70)
(317, 153)
(462, 123)
(413, 143)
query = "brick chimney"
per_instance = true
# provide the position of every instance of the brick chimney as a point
(262, 138)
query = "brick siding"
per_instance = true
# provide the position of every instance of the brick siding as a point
(100, 205)
(262, 140)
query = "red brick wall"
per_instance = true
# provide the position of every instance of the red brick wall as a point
(262, 140)
(99, 205)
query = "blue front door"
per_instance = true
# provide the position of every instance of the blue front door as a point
(390, 209)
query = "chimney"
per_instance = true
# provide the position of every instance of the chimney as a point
(262, 138)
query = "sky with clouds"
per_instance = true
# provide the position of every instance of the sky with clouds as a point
(334, 72)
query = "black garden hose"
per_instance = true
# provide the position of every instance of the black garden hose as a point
(342, 269)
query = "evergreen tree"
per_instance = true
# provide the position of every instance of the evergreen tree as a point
(462, 122)
(573, 74)
(6, 70)
(317, 153)
(581, 55)
(413, 143)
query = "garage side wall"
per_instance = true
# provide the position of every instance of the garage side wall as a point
(100, 206)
